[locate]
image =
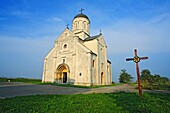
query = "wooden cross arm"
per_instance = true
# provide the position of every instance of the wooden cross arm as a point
(128, 59)
(143, 58)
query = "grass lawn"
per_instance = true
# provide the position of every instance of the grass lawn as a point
(25, 80)
(38, 81)
(84, 103)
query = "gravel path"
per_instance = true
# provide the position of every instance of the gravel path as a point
(12, 89)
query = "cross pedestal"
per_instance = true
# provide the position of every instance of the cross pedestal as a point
(137, 59)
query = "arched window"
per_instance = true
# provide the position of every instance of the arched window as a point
(76, 25)
(84, 23)
(65, 46)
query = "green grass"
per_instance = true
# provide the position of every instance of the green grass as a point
(25, 80)
(88, 103)
(38, 81)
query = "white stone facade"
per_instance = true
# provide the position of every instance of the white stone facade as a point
(78, 58)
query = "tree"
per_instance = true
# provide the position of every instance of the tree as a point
(145, 72)
(146, 76)
(125, 77)
(155, 81)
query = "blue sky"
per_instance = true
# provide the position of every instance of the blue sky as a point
(28, 29)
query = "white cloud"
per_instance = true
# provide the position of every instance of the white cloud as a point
(55, 19)
(150, 36)
(160, 18)
(20, 13)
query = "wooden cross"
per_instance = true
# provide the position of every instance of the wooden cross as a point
(67, 25)
(137, 59)
(81, 10)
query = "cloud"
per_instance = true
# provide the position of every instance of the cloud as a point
(55, 19)
(160, 18)
(19, 13)
(148, 35)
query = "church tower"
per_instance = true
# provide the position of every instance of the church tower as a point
(81, 25)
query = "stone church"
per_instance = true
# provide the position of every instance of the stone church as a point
(78, 58)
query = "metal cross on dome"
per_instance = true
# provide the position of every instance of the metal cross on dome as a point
(67, 25)
(137, 59)
(100, 31)
(81, 10)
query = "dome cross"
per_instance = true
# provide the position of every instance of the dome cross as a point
(100, 31)
(81, 10)
(67, 25)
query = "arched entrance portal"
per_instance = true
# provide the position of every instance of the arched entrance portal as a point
(102, 78)
(62, 73)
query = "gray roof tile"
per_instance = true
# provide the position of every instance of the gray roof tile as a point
(92, 37)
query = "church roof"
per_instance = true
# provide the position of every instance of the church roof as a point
(92, 37)
(81, 15)
(109, 61)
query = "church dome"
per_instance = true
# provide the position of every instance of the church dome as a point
(81, 23)
(81, 15)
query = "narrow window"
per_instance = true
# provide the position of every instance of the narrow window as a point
(76, 26)
(64, 60)
(84, 25)
(102, 65)
(80, 74)
(93, 63)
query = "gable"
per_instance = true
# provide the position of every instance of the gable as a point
(64, 43)
(65, 35)
(102, 41)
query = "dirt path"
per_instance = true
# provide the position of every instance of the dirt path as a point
(109, 89)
